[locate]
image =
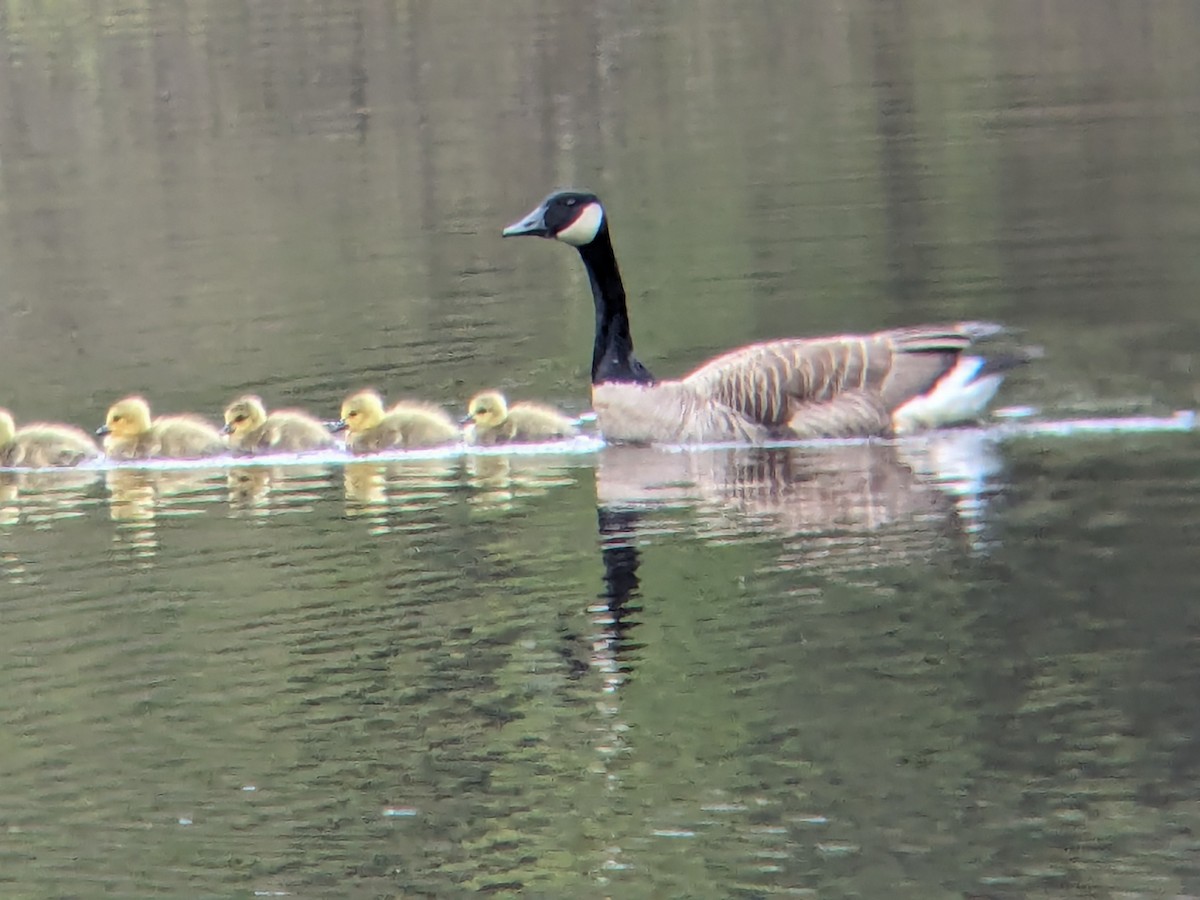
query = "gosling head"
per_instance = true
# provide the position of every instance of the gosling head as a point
(359, 412)
(8, 427)
(243, 414)
(127, 418)
(487, 409)
(573, 217)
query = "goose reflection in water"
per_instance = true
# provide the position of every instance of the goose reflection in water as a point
(863, 488)
(835, 509)
(836, 513)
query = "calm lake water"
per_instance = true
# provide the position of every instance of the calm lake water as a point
(958, 666)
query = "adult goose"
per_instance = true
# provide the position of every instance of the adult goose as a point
(884, 383)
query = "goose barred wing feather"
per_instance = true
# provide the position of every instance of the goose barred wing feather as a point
(916, 360)
(764, 382)
(843, 384)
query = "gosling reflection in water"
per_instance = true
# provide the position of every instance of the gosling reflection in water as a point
(273, 489)
(249, 486)
(365, 484)
(131, 500)
(130, 495)
(503, 482)
(141, 494)
(42, 496)
(411, 485)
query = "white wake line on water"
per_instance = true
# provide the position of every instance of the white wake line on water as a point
(1180, 420)
(1184, 420)
(1011, 429)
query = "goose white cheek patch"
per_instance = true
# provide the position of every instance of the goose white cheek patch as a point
(585, 227)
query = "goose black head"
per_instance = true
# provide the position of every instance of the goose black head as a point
(573, 217)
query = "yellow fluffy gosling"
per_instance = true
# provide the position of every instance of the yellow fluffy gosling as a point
(40, 444)
(492, 421)
(251, 430)
(371, 428)
(130, 433)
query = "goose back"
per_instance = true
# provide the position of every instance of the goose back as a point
(774, 382)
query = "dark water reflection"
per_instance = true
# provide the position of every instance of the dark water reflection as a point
(756, 670)
(954, 667)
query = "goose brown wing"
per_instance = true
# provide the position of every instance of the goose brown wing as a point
(919, 357)
(776, 381)
(770, 383)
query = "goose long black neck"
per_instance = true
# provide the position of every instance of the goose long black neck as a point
(612, 353)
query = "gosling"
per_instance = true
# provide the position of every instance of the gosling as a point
(490, 420)
(41, 444)
(130, 433)
(250, 430)
(406, 425)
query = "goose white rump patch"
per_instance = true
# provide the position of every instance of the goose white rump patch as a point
(959, 396)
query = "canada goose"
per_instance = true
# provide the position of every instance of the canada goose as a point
(884, 383)
(490, 420)
(41, 444)
(251, 430)
(371, 428)
(130, 433)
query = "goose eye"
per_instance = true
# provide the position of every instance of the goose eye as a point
(571, 201)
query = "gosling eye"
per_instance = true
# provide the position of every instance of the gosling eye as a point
(117, 418)
(240, 417)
